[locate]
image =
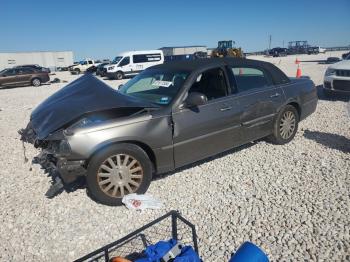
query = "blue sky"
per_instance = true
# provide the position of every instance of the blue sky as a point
(102, 29)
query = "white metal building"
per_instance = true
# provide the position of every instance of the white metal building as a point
(51, 59)
(183, 50)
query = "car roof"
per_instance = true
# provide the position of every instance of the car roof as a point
(30, 65)
(193, 65)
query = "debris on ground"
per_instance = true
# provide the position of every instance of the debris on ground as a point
(55, 80)
(141, 202)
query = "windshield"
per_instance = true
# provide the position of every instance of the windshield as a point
(348, 57)
(155, 86)
(116, 59)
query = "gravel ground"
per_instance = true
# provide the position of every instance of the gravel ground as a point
(291, 200)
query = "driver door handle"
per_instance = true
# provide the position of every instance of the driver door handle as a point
(225, 108)
(275, 95)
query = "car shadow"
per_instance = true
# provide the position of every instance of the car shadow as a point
(333, 141)
(330, 97)
(200, 162)
(22, 86)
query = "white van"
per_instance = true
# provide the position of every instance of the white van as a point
(133, 62)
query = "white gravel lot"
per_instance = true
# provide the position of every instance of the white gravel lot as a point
(291, 200)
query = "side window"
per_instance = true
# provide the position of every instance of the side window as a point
(90, 62)
(146, 58)
(248, 78)
(211, 83)
(125, 61)
(25, 71)
(10, 72)
(139, 59)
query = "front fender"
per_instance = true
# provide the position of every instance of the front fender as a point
(155, 133)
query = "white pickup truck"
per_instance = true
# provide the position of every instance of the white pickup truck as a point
(83, 65)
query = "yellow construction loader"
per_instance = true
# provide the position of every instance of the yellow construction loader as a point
(226, 49)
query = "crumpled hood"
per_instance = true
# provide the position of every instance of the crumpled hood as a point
(84, 95)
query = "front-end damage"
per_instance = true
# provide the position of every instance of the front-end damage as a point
(58, 126)
(53, 158)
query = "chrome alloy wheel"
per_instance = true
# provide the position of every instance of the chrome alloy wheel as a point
(119, 175)
(287, 124)
(36, 82)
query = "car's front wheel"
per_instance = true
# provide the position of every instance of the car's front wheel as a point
(285, 126)
(36, 82)
(119, 75)
(117, 171)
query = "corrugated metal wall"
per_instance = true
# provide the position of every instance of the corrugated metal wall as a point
(46, 59)
(183, 50)
(188, 50)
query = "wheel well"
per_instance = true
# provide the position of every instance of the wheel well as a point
(145, 147)
(148, 151)
(297, 107)
(36, 77)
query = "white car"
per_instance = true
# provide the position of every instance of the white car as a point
(133, 62)
(83, 66)
(337, 78)
(322, 50)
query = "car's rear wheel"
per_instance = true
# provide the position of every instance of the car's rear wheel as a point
(119, 75)
(285, 126)
(77, 71)
(117, 171)
(36, 82)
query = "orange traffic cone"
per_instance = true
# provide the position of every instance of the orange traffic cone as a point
(298, 72)
(297, 62)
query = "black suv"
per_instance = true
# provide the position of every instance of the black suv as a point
(278, 51)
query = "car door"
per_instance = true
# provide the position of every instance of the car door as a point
(125, 65)
(210, 128)
(8, 77)
(138, 62)
(259, 98)
(24, 75)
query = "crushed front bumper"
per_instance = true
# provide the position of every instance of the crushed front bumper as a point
(68, 170)
(53, 157)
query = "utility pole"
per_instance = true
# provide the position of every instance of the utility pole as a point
(270, 37)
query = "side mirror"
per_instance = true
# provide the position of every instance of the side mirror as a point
(195, 99)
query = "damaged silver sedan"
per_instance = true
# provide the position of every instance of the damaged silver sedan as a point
(168, 116)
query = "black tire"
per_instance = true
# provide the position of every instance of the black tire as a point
(77, 71)
(94, 189)
(36, 82)
(277, 136)
(119, 75)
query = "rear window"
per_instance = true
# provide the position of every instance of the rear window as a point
(248, 78)
(144, 58)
